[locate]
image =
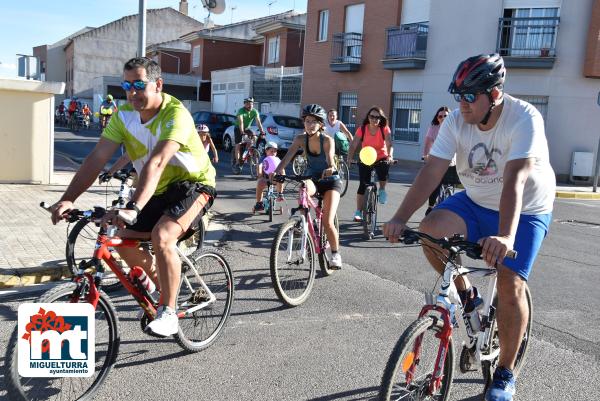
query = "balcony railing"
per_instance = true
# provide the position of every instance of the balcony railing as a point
(346, 51)
(406, 46)
(528, 42)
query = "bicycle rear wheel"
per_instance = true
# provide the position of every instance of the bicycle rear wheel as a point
(409, 371)
(344, 173)
(369, 220)
(292, 273)
(253, 160)
(198, 329)
(323, 259)
(67, 388)
(488, 367)
(195, 242)
(81, 243)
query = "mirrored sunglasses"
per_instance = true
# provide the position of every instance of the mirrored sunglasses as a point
(137, 85)
(467, 97)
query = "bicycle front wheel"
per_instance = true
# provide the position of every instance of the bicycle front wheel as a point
(409, 371)
(202, 319)
(253, 160)
(370, 212)
(299, 165)
(344, 173)
(292, 268)
(81, 243)
(67, 388)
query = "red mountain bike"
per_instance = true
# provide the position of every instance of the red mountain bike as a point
(203, 305)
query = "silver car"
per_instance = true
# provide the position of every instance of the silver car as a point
(278, 128)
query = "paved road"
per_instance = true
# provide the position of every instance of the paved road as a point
(334, 347)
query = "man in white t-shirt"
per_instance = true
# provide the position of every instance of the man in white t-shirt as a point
(503, 163)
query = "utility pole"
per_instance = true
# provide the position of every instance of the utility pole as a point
(142, 29)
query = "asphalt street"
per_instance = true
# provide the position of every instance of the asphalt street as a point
(335, 346)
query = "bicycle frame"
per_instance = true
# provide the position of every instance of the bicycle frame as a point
(144, 299)
(445, 305)
(305, 204)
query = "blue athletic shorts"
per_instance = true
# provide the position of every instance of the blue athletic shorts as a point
(482, 222)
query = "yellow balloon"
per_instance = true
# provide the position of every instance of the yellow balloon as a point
(368, 155)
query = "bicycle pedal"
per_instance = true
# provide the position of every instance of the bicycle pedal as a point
(467, 362)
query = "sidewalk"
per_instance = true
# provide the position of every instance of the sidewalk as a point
(32, 250)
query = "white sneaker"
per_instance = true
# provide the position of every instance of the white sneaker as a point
(166, 323)
(336, 261)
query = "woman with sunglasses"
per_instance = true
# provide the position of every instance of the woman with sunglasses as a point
(319, 150)
(374, 132)
(451, 177)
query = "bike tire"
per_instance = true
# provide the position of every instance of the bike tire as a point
(344, 173)
(195, 242)
(369, 212)
(81, 243)
(82, 388)
(488, 367)
(200, 329)
(425, 328)
(271, 207)
(323, 259)
(299, 165)
(292, 283)
(253, 160)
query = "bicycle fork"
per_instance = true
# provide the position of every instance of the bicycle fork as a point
(303, 239)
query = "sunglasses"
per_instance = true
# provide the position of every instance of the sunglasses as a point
(442, 116)
(138, 85)
(371, 116)
(467, 97)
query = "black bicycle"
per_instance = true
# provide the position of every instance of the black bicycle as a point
(371, 198)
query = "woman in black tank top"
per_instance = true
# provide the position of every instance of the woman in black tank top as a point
(320, 151)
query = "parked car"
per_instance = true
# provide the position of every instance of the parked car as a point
(278, 128)
(217, 123)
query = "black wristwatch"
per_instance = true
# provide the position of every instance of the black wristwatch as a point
(131, 205)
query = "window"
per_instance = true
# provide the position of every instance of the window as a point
(196, 56)
(323, 24)
(407, 117)
(529, 31)
(539, 102)
(273, 50)
(348, 101)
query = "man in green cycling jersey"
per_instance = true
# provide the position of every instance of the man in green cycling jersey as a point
(244, 118)
(176, 180)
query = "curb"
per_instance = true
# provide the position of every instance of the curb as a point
(578, 195)
(22, 277)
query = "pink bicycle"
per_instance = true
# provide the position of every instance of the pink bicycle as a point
(296, 244)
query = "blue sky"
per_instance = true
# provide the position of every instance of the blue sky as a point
(28, 23)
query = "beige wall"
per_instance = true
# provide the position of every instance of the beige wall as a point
(27, 130)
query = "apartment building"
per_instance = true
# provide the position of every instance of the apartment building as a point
(401, 55)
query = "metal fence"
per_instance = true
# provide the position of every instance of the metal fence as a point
(527, 37)
(282, 84)
(346, 48)
(539, 102)
(409, 40)
(407, 116)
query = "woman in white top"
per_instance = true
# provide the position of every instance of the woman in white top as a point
(333, 125)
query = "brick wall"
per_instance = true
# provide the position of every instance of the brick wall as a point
(372, 83)
(168, 61)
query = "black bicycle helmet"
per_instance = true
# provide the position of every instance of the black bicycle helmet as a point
(316, 111)
(478, 74)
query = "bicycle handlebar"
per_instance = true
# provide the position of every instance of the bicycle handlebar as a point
(456, 244)
(298, 178)
(121, 175)
(74, 215)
